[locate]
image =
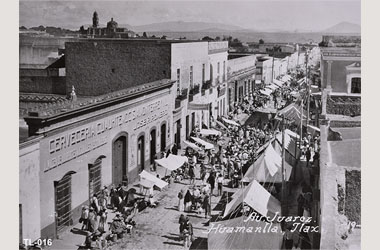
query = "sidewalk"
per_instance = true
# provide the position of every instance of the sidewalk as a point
(156, 228)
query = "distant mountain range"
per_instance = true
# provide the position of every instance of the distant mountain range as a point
(186, 27)
(344, 27)
(180, 26)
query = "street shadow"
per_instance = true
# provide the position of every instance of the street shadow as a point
(79, 231)
(172, 243)
(175, 237)
(199, 243)
(172, 208)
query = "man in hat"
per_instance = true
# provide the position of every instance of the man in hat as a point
(117, 225)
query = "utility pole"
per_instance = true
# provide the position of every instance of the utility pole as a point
(308, 91)
(273, 67)
(283, 193)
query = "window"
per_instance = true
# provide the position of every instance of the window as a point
(356, 85)
(224, 70)
(203, 72)
(218, 68)
(191, 77)
(178, 82)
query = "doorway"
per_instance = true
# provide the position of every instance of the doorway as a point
(62, 190)
(141, 153)
(163, 137)
(152, 145)
(119, 160)
(95, 177)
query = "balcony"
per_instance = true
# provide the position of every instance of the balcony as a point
(183, 94)
(180, 98)
(221, 91)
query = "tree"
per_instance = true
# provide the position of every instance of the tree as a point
(145, 35)
(23, 28)
(217, 38)
(261, 41)
(163, 37)
(207, 38)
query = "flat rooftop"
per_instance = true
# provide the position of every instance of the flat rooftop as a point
(347, 152)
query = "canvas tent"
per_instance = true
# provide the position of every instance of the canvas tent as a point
(209, 132)
(231, 122)
(267, 168)
(204, 143)
(278, 82)
(258, 198)
(242, 235)
(144, 175)
(172, 162)
(266, 91)
(192, 145)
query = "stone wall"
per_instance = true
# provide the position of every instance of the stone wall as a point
(43, 84)
(344, 105)
(100, 66)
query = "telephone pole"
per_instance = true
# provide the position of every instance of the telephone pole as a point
(283, 174)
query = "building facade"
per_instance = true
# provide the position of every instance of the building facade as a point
(99, 142)
(241, 78)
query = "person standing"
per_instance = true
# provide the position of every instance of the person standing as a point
(188, 201)
(220, 184)
(84, 217)
(300, 204)
(308, 156)
(206, 205)
(191, 174)
(211, 181)
(93, 220)
(180, 201)
(288, 238)
(174, 149)
(181, 221)
(95, 203)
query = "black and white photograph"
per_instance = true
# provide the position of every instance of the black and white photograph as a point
(216, 125)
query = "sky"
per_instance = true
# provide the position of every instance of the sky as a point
(305, 15)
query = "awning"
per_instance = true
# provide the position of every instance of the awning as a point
(258, 81)
(266, 92)
(220, 124)
(198, 106)
(286, 78)
(258, 198)
(146, 183)
(192, 145)
(209, 132)
(278, 82)
(204, 143)
(267, 168)
(301, 81)
(272, 87)
(315, 129)
(172, 162)
(230, 121)
(144, 175)
(241, 238)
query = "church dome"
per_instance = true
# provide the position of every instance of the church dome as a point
(112, 24)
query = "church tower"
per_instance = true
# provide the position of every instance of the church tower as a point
(95, 20)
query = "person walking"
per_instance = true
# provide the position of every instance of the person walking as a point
(181, 222)
(95, 203)
(188, 233)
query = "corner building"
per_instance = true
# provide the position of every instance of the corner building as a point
(87, 144)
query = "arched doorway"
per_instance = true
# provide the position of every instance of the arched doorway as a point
(95, 177)
(152, 145)
(163, 137)
(141, 152)
(62, 190)
(119, 160)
